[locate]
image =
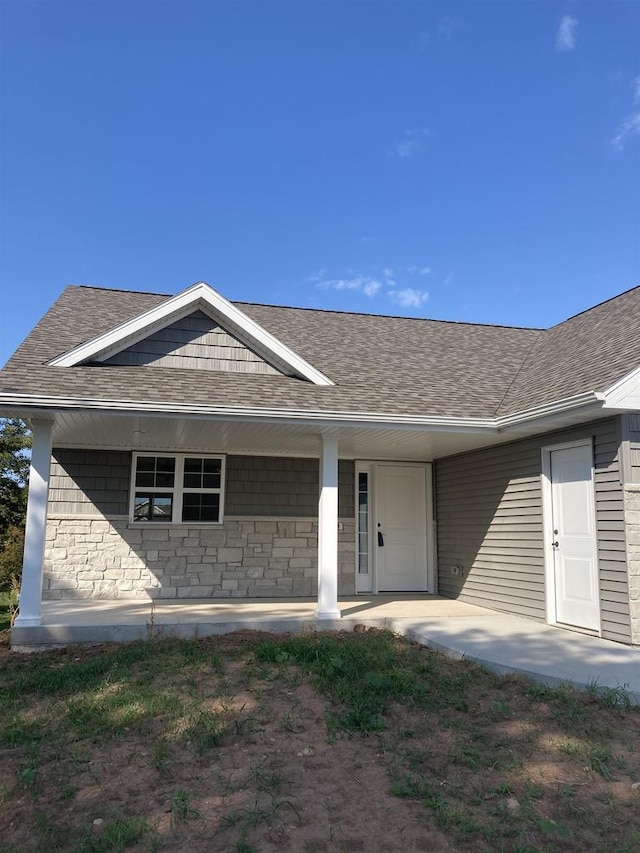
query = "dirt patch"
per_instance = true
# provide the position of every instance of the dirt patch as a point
(251, 742)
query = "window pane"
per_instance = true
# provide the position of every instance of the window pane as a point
(146, 463)
(152, 507)
(212, 466)
(165, 463)
(144, 479)
(192, 481)
(164, 480)
(210, 481)
(200, 507)
(362, 482)
(193, 465)
(162, 508)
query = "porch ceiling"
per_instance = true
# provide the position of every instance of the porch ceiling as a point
(133, 432)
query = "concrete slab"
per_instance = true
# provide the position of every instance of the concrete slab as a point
(502, 643)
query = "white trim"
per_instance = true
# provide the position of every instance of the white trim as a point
(625, 393)
(177, 490)
(328, 529)
(198, 296)
(547, 524)
(306, 416)
(29, 614)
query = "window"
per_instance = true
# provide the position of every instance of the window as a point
(181, 488)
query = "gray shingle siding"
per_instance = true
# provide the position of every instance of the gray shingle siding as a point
(266, 485)
(196, 342)
(634, 447)
(96, 482)
(89, 482)
(489, 522)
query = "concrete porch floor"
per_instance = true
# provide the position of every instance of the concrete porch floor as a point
(500, 642)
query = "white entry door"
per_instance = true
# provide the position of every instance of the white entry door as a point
(574, 546)
(400, 534)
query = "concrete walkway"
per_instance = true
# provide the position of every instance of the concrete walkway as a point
(502, 643)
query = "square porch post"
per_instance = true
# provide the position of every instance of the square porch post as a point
(34, 537)
(328, 529)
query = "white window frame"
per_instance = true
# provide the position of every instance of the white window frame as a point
(178, 489)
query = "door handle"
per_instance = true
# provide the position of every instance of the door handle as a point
(555, 544)
(380, 539)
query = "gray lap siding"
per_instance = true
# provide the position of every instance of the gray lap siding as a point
(489, 523)
(266, 546)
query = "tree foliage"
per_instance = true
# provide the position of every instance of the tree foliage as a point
(15, 439)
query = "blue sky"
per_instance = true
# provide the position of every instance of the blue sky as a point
(474, 161)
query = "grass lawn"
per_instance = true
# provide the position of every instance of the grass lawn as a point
(323, 742)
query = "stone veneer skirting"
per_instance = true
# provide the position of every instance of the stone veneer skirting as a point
(242, 558)
(632, 524)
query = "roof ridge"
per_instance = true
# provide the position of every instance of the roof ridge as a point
(326, 310)
(392, 316)
(119, 290)
(593, 307)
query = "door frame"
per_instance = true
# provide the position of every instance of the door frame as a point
(369, 586)
(547, 528)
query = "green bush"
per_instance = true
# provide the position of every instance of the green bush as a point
(11, 550)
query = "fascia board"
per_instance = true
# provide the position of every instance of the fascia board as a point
(198, 295)
(527, 419)
(557, 407)
(625, 393)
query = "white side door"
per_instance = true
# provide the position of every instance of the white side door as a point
(574, 545)
(400, 534)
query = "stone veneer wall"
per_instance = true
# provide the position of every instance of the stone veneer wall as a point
(243, 558)
(632, 525)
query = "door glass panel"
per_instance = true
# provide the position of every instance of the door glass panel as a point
(363, 523)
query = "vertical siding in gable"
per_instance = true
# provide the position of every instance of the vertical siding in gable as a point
(489, 514)
(195, 342)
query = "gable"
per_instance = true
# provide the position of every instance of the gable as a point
(199, 297)
(194, 342)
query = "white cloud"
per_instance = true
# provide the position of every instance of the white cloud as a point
(447, 26)
(448, 280)
(367, 285)
(412, 142)
(630, 126)
(414, 269)
(566, 35)
(409, 297)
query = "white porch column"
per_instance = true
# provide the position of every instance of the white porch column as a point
(31, 590)
(328, 529)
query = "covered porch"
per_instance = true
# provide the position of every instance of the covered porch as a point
(86, 548)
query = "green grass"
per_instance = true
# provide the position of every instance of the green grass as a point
(167, 714)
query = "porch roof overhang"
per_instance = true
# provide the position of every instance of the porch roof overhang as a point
(135, 425)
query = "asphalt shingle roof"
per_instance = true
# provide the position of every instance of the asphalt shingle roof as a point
(390, 365)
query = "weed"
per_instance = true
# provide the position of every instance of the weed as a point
(161, 756)
(598, 760)
(182, 809)
(205, 731)
(117, 836)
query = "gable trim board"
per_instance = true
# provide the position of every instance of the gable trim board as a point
(201, 297)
